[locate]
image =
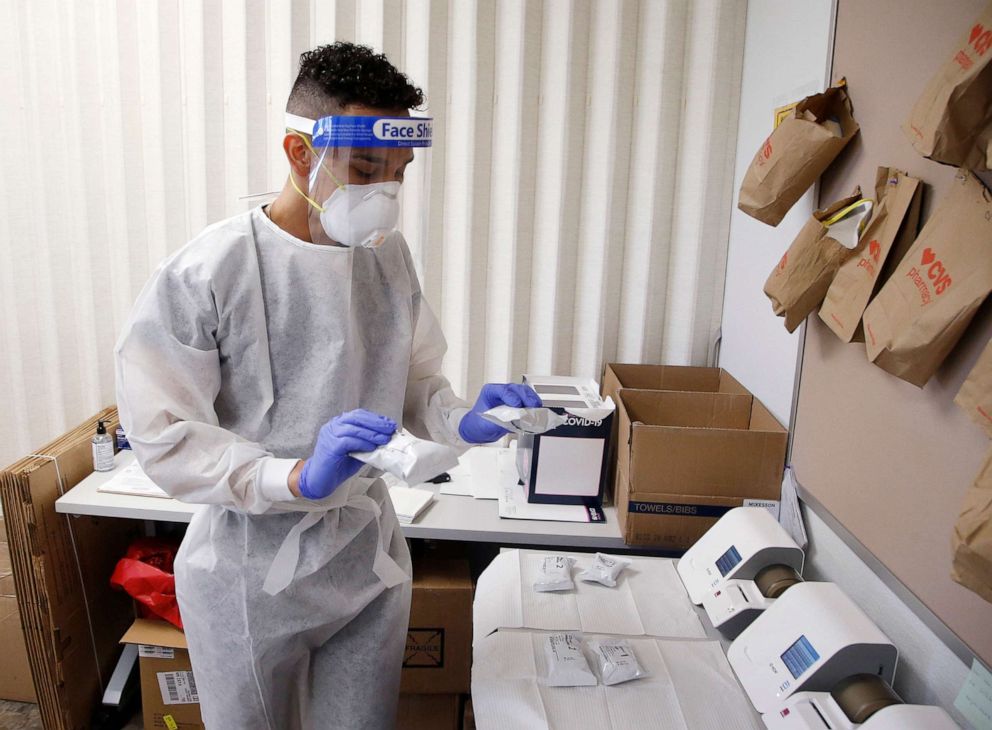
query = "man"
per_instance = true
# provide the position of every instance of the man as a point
(256, 360)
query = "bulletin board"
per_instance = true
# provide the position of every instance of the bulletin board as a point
(887, 460)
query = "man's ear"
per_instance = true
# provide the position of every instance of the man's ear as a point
(298, 154)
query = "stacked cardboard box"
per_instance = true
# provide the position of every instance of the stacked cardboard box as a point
(437, 664)
(15, 674)
(692, 443)
(168, 692)
(61, 567)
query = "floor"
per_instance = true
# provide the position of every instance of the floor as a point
(24, 716)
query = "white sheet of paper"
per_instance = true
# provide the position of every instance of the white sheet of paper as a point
(847, 230)
(648, 600)
(790, 514)
(974, 701)
(690, 687)
(513, 505)
(133, 481)
(410, 502)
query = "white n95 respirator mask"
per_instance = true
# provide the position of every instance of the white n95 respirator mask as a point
(361, 215)
(360, 165)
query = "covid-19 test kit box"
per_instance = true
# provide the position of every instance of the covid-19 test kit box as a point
(567, 465)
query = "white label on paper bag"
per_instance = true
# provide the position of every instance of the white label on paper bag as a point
(178, 688)
(769, 504)
(149, 651)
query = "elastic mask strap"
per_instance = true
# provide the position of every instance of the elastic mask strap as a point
(313, 152)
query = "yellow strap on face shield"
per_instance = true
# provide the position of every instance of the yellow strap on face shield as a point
(313, 152)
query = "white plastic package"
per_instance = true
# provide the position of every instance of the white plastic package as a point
(567, 665)
(524, 420)
(555, 574)
(615, 661)
(411, 459)
(604, 569)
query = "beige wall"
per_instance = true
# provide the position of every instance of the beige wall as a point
(891, 462)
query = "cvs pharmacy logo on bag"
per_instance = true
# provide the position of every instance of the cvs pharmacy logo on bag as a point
(765, 152)
(868, 263)
(981, 40)
(935, 271)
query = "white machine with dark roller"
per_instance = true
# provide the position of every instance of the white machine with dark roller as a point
(737, 603)
(808, 640)
(861, 702)
(740, 567)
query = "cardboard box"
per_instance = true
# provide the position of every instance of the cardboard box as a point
(438, 656)
(60, 565)
(684, 459)
(167, 684)
(569, 464)
(429, 712)
(660, 377)
(15, 672)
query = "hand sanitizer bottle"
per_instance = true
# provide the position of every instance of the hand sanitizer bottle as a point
(103, 449)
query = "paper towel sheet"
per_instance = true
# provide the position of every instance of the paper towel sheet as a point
(690, 687)
(648, 600)
(480, 472)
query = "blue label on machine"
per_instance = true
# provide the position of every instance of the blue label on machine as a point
(728, 561)
(800, 656)
(671, 508)
(373, 132)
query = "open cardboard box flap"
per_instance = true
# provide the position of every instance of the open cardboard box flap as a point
(154, 633)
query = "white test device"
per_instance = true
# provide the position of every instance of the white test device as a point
(809, 639)
(738, 546)
(820, 711)
(737, 602)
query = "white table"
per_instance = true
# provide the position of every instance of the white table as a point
(448, 518)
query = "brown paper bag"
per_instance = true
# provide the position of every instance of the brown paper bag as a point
(894, 223)
(801, 278)
(796, 154)
(952, 119)
(923, 309)
(975, 396)
(971, 543)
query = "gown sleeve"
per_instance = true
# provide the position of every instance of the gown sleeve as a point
(168, 377)
(431, 409)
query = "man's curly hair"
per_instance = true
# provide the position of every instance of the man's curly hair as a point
(333, 76)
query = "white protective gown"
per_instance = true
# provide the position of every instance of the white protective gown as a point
(240, 347)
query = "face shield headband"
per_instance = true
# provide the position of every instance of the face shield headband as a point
(360, 165)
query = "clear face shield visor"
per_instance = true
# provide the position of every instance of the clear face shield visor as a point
(369, 177)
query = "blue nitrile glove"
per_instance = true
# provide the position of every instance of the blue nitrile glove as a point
(330, 466)
(477, 430)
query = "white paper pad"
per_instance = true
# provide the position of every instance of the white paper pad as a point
(691, 687)
(481, 470)
(409, 502)
(132, 480)
(648, 600)
(790, 515)
(513, 505)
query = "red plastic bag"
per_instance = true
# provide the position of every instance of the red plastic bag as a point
(145, 574)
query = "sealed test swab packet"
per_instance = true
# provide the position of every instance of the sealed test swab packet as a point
(567, 665)
(615, 661)
(411, 459)
(554, 574)
(604, 569)
(524, 420)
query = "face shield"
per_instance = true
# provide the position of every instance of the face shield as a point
(366, 173)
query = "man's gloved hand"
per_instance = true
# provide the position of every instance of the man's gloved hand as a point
(477, 430)
(330, 466)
